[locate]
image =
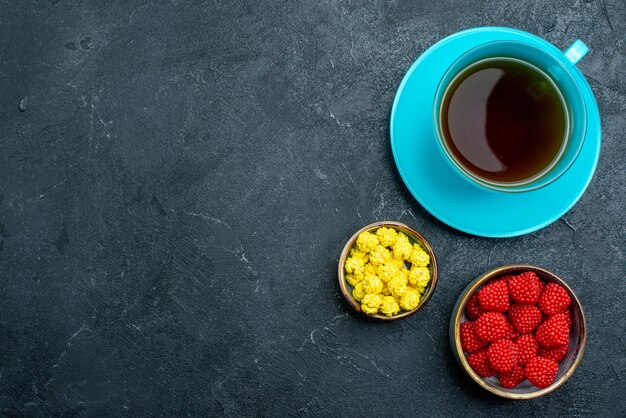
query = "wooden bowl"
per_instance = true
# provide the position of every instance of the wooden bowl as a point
(525, 390)
(414, 236)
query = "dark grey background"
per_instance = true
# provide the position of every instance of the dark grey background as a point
(177, 179)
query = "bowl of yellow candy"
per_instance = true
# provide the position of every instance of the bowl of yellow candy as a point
(387, 271)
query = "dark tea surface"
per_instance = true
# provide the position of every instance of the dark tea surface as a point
(504, 120)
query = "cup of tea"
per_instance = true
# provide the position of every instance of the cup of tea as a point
(509, 116)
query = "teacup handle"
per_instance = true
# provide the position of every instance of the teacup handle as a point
(576, 51)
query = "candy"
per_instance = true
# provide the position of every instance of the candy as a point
(387, 272)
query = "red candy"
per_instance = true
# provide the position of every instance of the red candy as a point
(525, 288)
(479, 362)
(494, 297)
(527, 348)
(502, 355)
(512, 378)
(520, 330)
(491, 326)
(541, 371)
(469, 341)
(553, 299)
(525, 318)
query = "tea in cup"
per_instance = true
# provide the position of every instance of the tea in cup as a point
(509, 116)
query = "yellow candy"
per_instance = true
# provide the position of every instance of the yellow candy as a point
(353, 280)
(402, 237)
(386, 236)
(379, 255)
(419, 257)
(372, 284)
(366, 241)
(397, 262)
(371, 303)
(354, 264)
(355, 253)
(402, 249)
(397, 284)
(370, 269)
(358, 291)
(419, 276)
(399, 291)
(377, 272)
(410, 299)
(389, 306)
(386, 290)
(404, 273)
(385, 271)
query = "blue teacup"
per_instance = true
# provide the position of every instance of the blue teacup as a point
(553, 63)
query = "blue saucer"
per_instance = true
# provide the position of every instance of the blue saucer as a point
(439, 189)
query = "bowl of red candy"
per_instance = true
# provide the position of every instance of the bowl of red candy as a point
(519, 331)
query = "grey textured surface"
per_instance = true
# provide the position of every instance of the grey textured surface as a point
(177, 180)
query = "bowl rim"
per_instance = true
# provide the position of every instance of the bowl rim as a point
(343, 285)
(456, 321)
